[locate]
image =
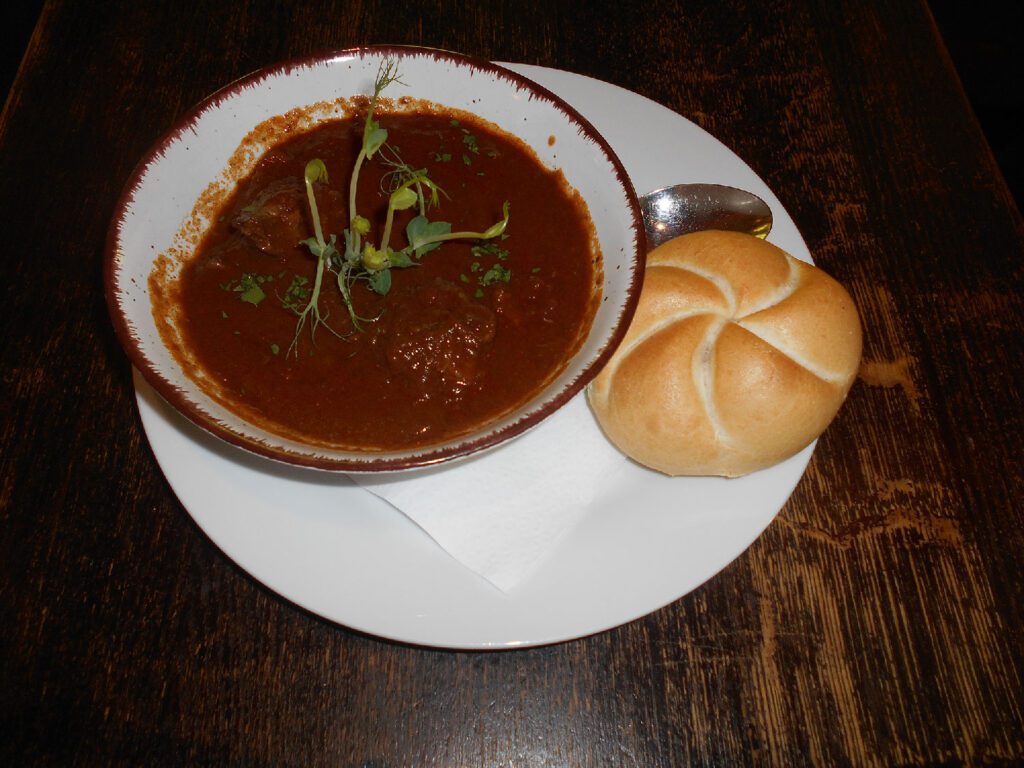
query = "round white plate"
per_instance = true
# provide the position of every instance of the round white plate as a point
(344, 554)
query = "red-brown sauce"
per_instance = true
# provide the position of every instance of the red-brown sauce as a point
(445, 353)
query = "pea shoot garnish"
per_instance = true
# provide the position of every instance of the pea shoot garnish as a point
(325, 252)
(362, 258)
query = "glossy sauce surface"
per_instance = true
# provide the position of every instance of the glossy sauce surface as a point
(462, 338)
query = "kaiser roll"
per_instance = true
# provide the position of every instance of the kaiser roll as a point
(739, 355)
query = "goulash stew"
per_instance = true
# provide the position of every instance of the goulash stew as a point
(395, 347)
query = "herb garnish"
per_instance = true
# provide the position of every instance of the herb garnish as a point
(297, 294)
(324, 251)
(248, 287)
(489, 249)
(361, 259)
(496, 274)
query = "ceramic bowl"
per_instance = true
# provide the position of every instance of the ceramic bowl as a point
(159, 213)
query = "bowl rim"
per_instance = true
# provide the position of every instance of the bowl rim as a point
(370, 462)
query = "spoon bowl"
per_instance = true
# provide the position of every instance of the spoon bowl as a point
(673, 211)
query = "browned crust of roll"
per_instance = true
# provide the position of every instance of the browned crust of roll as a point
(738, 356)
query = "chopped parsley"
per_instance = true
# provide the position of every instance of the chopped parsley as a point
(481, 250)
(297, 295)
(496, 274)
(248, 287)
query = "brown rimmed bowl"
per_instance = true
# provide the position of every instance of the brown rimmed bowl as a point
(158, 213)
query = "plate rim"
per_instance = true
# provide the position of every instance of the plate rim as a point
(411, 633)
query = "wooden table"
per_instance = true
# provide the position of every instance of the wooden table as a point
(876, 622)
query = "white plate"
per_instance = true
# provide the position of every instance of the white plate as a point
(344, 554)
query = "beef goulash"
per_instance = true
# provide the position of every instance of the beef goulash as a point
(454, 335)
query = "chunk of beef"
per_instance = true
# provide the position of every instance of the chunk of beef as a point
(437, 336)
(277, 219)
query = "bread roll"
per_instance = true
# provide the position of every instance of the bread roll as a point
(738, 356)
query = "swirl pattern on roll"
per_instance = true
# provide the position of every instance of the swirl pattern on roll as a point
(739, 355)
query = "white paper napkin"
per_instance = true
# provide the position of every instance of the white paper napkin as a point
(501, 513)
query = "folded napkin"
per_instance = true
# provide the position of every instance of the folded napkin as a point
(501, 513)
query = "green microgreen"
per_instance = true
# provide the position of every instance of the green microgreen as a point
(324, 252)
(495, 230)
(373, 135)
(361, 259)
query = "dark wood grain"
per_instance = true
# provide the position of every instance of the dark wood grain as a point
(876, 622)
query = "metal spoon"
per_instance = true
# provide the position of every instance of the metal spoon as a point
(672, 211)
